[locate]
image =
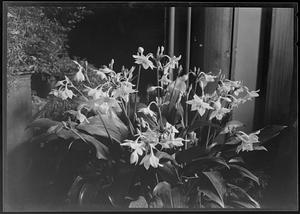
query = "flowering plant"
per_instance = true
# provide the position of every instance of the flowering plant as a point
(179, 149)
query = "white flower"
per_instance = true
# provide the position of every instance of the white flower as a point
(247, 141)
(150, 159)
(102, 75)
(171, 140)
(173, 62)
(147, 111)
(199, 105)
(205, 78)
(143, 60)
(251, 94)
(106, 70)
(137, 149)
(81, 117)
(171, 128)
(95, 92)
(124, 90)
(165, 80)
(230, 126)
(79, 75)
(238, 91)
(219, 111)
(63, 93)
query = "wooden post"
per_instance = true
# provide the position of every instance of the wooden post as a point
(217, 41)
(171, 35)
(281, 62)
(246, 59)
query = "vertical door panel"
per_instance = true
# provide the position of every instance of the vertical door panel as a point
(280, 70)
(246, 59)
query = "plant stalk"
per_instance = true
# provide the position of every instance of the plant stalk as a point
(207, 139)
(128, 120)
(137, 86)
(105, 127)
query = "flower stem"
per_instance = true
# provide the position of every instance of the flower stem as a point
(207, 139)
(157, 76)
(87, 77)
(126, 115)
(192, 123)
(79, 92)
(157, 181)
(105, 127)
(137, 86)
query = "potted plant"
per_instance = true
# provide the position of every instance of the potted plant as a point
(180, 149)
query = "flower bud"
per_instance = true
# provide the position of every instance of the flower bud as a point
(141, 50)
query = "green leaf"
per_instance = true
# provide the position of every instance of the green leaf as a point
(116, 128)
(169, 173)
(87, 194)
(166, 156)
(243, 204)
(237, 188)
(67, 134)
(139, 203)
(178, 198)
(156, 202)
(236, 160)
(269, 132)
(171, 197)
(43, 123)
(74, 190)
(212, 196)
(102, 150)
(204, 164)
(186, 156)
(218, 183)
(198, 123)
(163, 190)
(245, 172)
(43, 138)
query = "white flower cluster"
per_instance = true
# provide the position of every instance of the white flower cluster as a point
(147, 143)
(104, 98)
(223, 99)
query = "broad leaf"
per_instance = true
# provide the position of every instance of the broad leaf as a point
(165, 156)
(198, 123)
(102, 151)
(236, 160)
(245, 172)
(139, 203)
(169, 173)
(218, 183)
(204, 164)
(163, 190)
(212, 196)
(75, 189)
(43, 123)
(171, 197)
(269, 132)
(239, 189)
(87, 194)
(43, 138)
(116, 128)
(156, 202)
(186, 156)
(243, 204)
(179, 200)
(67, 134)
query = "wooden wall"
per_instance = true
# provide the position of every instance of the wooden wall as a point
(245, 63)
(280, 67)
